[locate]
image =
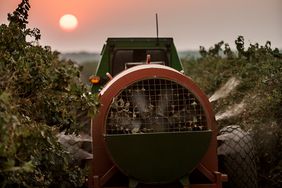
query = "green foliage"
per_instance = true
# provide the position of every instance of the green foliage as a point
(40, 96)
(259, 69)
(30, 154)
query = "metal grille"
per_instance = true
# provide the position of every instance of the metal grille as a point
(155, 105)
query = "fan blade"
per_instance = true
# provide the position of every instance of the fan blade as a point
(140, 102)
(163, 103)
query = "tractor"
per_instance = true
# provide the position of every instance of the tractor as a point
(155, 127)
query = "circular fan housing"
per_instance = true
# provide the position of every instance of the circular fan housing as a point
(156, 123)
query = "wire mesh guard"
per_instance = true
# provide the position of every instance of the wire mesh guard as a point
(155, 105)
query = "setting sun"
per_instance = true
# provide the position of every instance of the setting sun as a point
(68, 22)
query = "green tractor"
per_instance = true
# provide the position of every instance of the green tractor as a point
(155, 127)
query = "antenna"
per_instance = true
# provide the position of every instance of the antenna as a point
(157, 25)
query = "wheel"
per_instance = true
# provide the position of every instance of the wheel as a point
(237, 157)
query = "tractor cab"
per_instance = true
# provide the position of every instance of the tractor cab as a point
(119, 54)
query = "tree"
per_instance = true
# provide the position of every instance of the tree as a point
(40, 96)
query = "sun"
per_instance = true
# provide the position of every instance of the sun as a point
(68, 22)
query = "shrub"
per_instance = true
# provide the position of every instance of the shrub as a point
(259, 69)
(40, 96)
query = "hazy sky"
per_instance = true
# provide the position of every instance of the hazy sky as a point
(190, 22)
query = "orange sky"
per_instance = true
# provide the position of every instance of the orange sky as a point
(190, 22)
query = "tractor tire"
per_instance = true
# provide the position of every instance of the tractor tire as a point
(236, 156)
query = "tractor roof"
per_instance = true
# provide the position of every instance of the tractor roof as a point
(139, 42)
